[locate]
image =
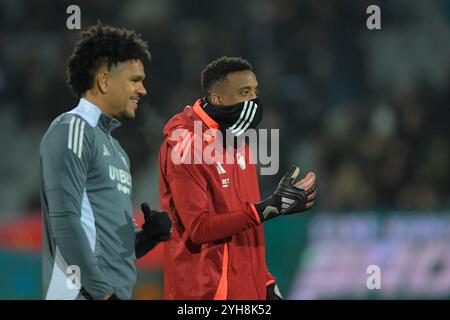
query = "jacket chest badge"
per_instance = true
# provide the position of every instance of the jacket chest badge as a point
(221, 170)
(225, 183)
(241, 161)
(106, 151)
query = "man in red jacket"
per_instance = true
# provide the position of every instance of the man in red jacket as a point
(217, 249)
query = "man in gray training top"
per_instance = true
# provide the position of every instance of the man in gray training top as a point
(90, 239)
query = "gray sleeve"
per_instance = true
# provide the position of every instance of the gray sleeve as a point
(65, 154)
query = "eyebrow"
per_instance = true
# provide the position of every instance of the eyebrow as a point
(246, 87)
(138, 77)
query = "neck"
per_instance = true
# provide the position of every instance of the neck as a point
(100, 103)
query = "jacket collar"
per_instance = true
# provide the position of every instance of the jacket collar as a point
(198, 109)
(94, 116)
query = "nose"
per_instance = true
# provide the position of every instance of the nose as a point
(141, 89)
(253, 95)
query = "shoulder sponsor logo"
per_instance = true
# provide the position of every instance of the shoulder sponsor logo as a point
(76, 136)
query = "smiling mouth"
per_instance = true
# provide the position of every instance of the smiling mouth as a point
(135, 101)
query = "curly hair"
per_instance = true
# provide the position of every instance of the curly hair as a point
(102, 44)
(218, 69)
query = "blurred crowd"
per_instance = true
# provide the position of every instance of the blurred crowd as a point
(368, 110)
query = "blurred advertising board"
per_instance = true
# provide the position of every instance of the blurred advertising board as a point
(410, 252)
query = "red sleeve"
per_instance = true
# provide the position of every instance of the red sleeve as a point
(189, 195)
(269, 278)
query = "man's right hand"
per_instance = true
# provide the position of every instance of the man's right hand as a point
(292, 196)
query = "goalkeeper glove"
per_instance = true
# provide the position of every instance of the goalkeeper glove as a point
(291, 196)
(157, 225)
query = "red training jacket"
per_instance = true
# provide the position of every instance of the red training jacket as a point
(217, 249)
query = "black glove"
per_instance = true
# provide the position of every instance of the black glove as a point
(291, 196)
(273, 293)
(157, 225)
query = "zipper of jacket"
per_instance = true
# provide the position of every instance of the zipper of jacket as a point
(112, 143)
(108, 133)
(238, 184)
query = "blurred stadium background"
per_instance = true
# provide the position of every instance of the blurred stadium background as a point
(367, 110)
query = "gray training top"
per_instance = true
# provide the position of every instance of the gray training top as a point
(88, 229)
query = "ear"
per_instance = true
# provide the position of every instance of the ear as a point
(216, 99)
(102, 79)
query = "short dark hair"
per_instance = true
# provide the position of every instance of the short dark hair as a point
(102, 44)
(218, 69)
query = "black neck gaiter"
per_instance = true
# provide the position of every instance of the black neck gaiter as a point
(236, 118)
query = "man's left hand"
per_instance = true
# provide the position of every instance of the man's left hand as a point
(157, 225)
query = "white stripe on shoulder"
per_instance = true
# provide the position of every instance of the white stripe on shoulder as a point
(80, 144)
(69, 142)
(75, 138)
